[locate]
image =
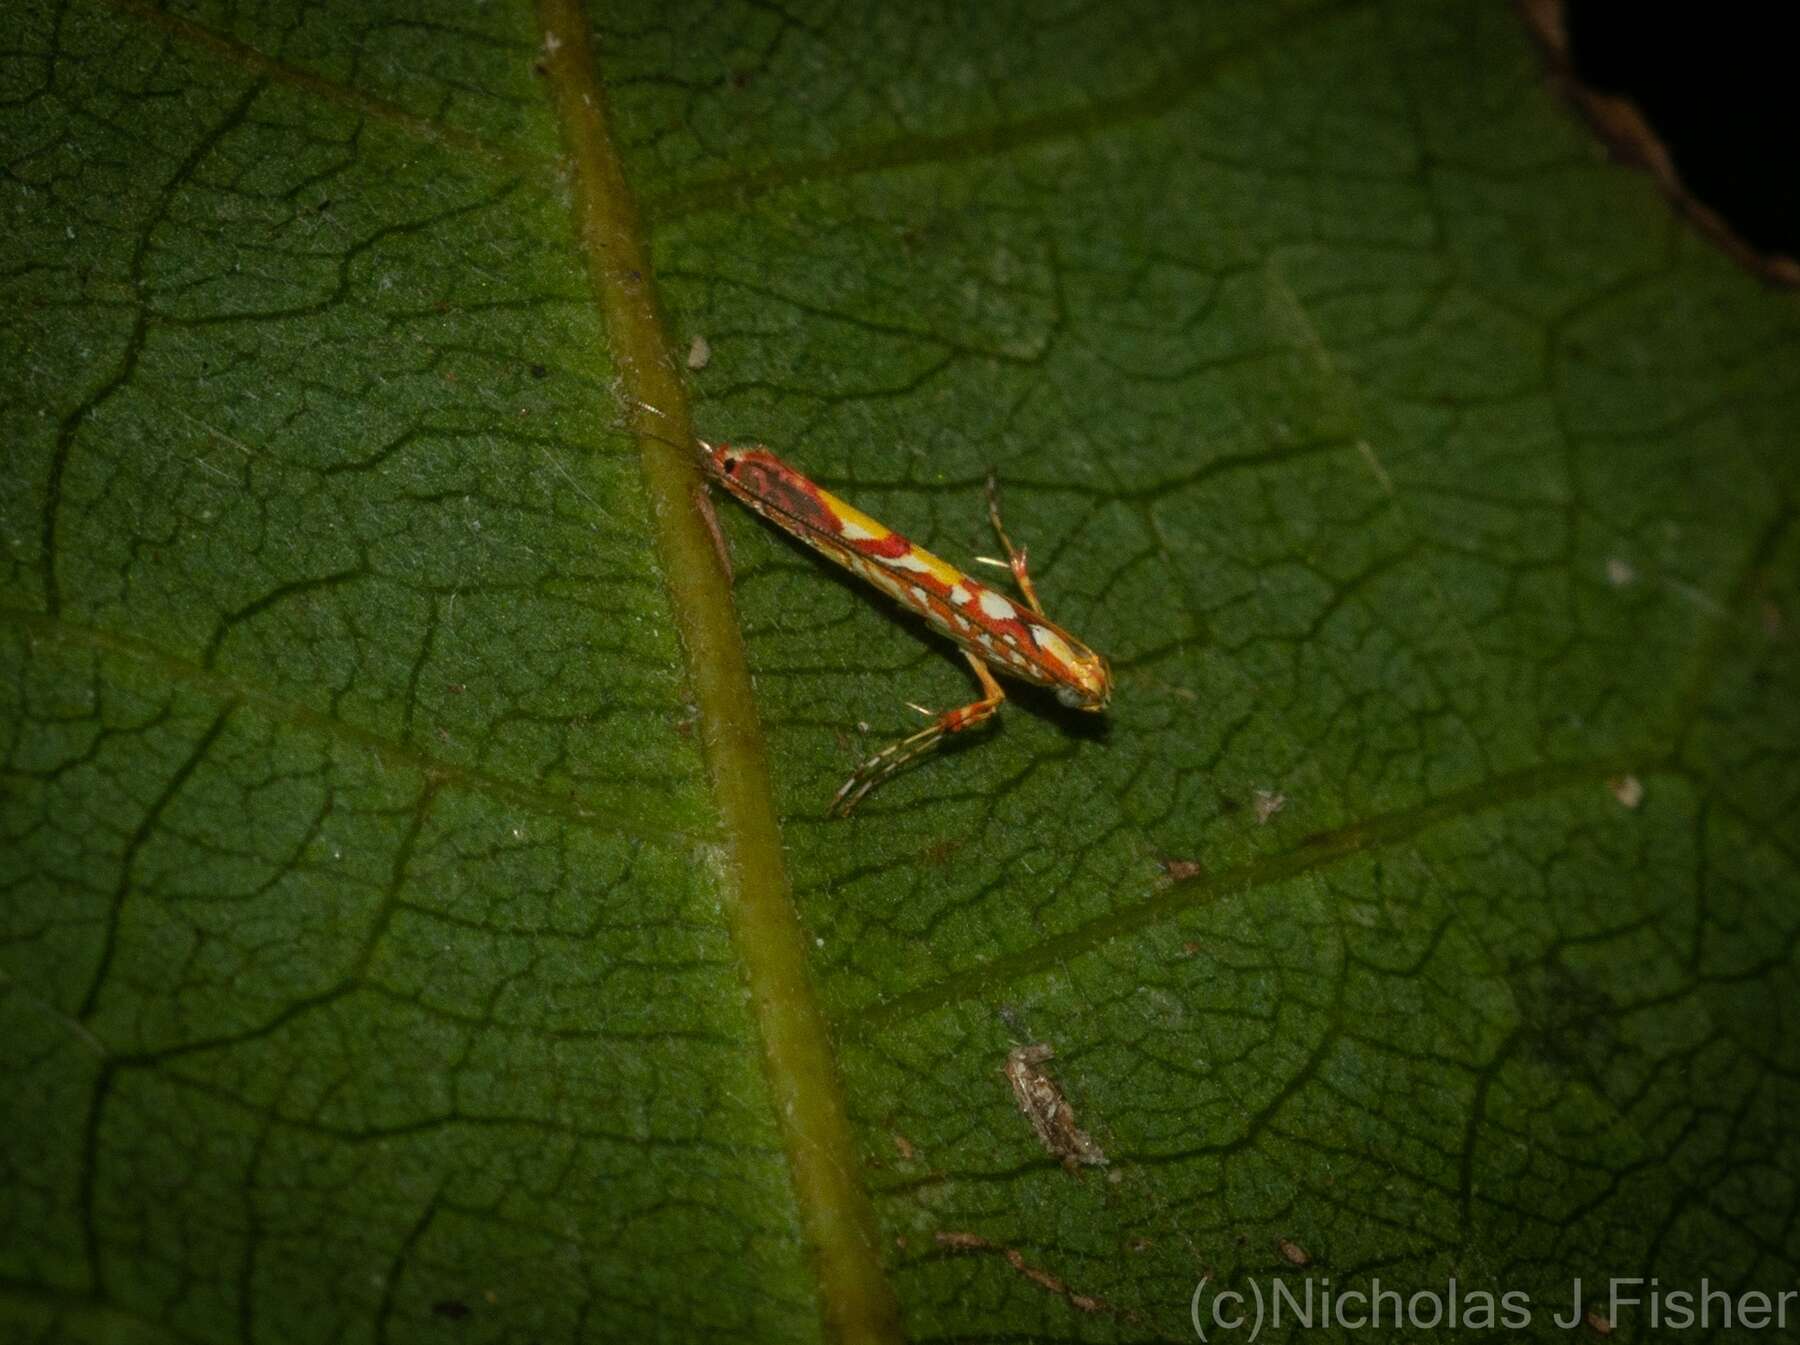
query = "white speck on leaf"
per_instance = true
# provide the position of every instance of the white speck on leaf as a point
(1627, 789)
(699, 353)
(1268, 803)
(1619, 572)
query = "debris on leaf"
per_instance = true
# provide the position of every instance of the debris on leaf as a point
(1041, 1099)
(1268, 803)
(974, 1242)
(1180, 870)
(904, 1147)
(940, 852)
(699, 353)
(1293, 1253)
(1619, 572)
(1599, 1323)
(1627, 789)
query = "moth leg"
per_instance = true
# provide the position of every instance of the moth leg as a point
(1015, 555)
(708, 516)
(896, 756)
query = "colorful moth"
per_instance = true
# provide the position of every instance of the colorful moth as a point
(989, 627)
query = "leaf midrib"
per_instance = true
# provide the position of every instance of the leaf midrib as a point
(856, 1300)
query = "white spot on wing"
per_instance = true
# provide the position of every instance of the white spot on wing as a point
(1049, 639)
(853, 530)
(959, 594)
(997, 607)
(907, 561)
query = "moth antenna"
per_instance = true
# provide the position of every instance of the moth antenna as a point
(663, 439)
(696, 441)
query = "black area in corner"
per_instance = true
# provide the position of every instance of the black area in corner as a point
(1718, 83)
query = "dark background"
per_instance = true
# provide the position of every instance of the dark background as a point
(1718, 83)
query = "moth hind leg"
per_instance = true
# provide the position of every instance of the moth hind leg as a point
(897, 756)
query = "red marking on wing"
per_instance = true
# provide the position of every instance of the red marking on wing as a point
(757, 475)
(1032, 662)
(890, 547)
(762, 480)
(1017, 632)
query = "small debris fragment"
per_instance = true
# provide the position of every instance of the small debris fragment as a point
(1627, 789)
(1180, 870)
(905, 1148)
(965, 1242)
(1619, 572)
(1042, 1278)
(1293, 1253)
(699, 353)
(1599, 1323)
(1268, 803)
(1190, 948)
(974, 1242)
(940, 852)
(1042, 1101)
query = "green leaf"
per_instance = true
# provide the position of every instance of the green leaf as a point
(420, 920)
